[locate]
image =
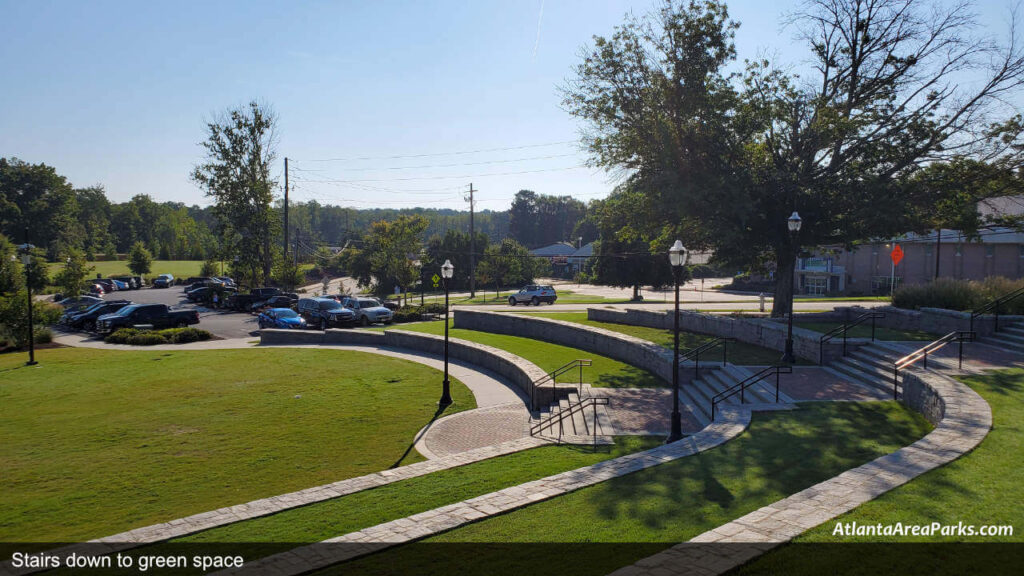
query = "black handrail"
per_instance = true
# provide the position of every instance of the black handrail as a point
(741, 387)
(828, 336)
(695, 353)
(574, 407)
(994, 306)
(923, 352)
(578, 363)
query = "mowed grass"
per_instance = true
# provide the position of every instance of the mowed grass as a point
(605, 372)
(982, 488)
(738, 352)
(564, 297)
(864, 331)
(780, 454)
(318, 522)
(178, 268)
(94, 442)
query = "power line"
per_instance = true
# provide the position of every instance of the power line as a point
(428, 166)
(460, 177)
(434, 154)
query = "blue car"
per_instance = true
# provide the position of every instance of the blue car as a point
(280, 318)
(121, 285)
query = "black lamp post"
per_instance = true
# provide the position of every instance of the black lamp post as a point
(793, 223)
(447, 270)
(26, 260)
(677, 257)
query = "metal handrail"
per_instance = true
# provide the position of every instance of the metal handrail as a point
(695, 353)
(922, 353)
(574, 407)
(828, 336)
(742, 386)
(578, 363)
(994, 305)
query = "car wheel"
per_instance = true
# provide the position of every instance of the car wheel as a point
(323, 324)
(364, 321)
(89, 326)
(535, 301)
(511, 301)
(181, 324)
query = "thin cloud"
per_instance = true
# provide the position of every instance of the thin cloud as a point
(540, 20)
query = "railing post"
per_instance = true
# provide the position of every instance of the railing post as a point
(725, 352)
(743, 389)
(844, 339)
(713, 410)
(895, 381)
(776, 385)
(872, 327)
(696, 365)
(996, 328)
(926, 359)
(960, 360)
(593, 428)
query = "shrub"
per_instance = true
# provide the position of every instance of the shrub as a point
(415, 313)
(137, 337)
(146, 339)
(120, 336)
(14, 317)
(185, 335)
(954, 294)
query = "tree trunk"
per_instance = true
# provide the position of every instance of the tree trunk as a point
(636, 292)
(785, 264)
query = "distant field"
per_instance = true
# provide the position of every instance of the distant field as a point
(177, 268)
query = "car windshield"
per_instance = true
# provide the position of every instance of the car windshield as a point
(127, 310)
(284, 313)
(94, 307)
(368, 303)
(330, 305)
(547, 288)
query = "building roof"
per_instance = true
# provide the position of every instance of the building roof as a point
(556, 249)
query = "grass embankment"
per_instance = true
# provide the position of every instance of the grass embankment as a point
(605, 372)
(318, 522)
(781, 453)
(94, 442)
(864, 331)
(739, 353)
(178, 268)
(982, 488)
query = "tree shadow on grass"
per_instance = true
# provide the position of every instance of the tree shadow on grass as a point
(629, 377)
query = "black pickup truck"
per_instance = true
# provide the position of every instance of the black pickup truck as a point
(154, 316)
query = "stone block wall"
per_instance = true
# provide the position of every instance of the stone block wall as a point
(921, 396)
(935, 320)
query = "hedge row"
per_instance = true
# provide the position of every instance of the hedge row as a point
(135, 337)
(959, 294)
(415, 313)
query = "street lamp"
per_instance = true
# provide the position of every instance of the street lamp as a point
(447, 270)
(793, 223)
(677, 258)
(26, 260)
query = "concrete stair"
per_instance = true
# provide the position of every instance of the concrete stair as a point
(565, 422)
(1008, 338)
(869, 366)
(697, 394)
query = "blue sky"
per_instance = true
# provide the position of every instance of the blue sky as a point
(117, 93)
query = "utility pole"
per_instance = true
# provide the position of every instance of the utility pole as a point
(472, 247)
(938, 248)
(285, 253)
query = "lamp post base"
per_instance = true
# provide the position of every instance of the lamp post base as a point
(787, 356)
(677, 429)
(31, 363)
(446, 396)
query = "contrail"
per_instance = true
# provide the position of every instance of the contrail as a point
(540, 19)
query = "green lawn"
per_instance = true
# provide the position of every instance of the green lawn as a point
(605, 372)
(179, 268)
(564, 297)
(982, 488)
(864, 331)
(781, 453)
(739, 353)
(94, 442)
(332, 518)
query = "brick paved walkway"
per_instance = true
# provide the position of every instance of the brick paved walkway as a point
(733, 421)
(819, 383)
(965, 423)
(474, 429)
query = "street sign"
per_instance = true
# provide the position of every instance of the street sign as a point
(896, 254)
(436, 279)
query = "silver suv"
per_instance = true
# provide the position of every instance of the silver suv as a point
(533, 294)
(367, 310)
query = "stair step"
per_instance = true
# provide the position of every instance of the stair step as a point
(853, 371)
(1014, 329)
(700, 408)
(874, 361)
(1004, 344)
(855, 381)
(1007, 335)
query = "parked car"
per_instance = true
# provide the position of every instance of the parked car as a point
(391, 305)
(96, 291)
(163, 281)
(279, 301)
(240, 302)
(280, 318)
(119, 284)
(533, 294)
(68, 303)
(155, 315)
(86, 319)
(227, 282)
(129, 281)
(197, 294)
(367, 310)
(325, 313)
(107, 284)
(264, 293)
(197, 279)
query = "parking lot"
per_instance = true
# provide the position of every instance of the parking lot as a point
(225, 324)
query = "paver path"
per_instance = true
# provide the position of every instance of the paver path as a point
(474, 429)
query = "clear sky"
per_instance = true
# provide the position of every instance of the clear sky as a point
(117, 93)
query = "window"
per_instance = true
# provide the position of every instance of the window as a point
(990, 251)
(817, 285)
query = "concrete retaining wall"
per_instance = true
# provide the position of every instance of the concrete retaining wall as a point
(622, 347)
(757, 331)
(935, 320)
(517, 370)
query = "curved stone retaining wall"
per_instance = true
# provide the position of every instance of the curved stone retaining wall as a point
(622, 347)
(934, 320)
(757, 331)
(517, 370)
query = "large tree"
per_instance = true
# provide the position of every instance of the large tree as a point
(386, 258)
(36, 198)
(236, 174)
(894, 86)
